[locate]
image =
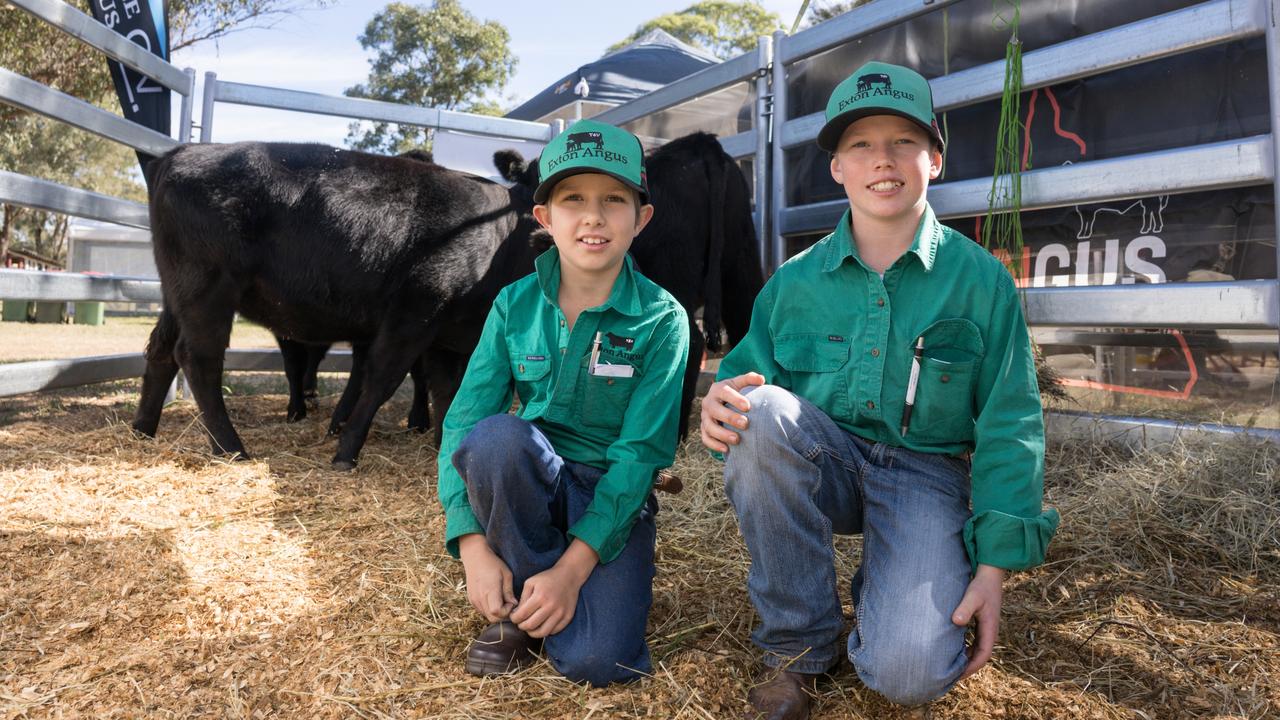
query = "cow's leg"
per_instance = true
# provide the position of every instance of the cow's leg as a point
(393, 351)
(159, 374)
(295, 366)
(201, 356)
(419, 411)
(310, 378)
(447, 369)
(693, 367)
(351, 392)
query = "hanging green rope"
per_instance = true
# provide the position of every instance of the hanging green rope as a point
(1002, 228)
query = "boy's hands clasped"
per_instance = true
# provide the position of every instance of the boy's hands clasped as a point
(549, 599)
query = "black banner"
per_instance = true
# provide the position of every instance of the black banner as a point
(145, 23)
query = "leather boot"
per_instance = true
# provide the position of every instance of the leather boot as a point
(501, 649)
(784, 696)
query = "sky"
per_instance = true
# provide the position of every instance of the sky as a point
(317, 51)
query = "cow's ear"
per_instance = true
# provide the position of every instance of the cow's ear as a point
(510, 165)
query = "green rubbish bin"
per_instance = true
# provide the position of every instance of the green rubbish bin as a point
(51, 312)
(16, 310)
(90, 313)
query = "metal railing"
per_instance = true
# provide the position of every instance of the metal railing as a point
(216, 91)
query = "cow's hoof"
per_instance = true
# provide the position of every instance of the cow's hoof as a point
(144, 430)
(294, 417)
(341, 465)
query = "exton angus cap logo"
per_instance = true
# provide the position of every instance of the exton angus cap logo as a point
(875, 85)
(580, 145)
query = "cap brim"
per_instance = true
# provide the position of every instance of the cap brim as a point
(544, 188)
(829, 135)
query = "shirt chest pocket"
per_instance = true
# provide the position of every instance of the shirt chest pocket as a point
(943, 412)
(815, 362)
(605, 399)
(811, 352)
(530, 371)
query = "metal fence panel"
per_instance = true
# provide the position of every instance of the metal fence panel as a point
(1232, 163)
(1140, 432)
(1243, 304)
(44, 195)
(74, 287)
(362, 109)
(30, 95)
(39, 375)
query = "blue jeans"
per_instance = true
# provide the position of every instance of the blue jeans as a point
(794, 480)
(526, 497)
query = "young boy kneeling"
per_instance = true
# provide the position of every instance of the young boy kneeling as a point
(551, 509)
(886, 388)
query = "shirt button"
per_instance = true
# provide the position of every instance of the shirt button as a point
(561, 322)
(875, 352)
(520, 368)
(945, 378)
(562, 350)
(609, 381)
(880, 302)
(871, 405)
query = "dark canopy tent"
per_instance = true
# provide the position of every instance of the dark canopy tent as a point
(625, 74)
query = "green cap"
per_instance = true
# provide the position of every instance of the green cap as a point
(588, 146)
(879, 89)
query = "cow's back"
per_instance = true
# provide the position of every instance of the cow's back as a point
(321, 242)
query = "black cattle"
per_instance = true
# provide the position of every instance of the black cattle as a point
(700, 245)
(321, 245)
(301, 367)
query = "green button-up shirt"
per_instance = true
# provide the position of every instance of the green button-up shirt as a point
(625, 426)
(836, 333)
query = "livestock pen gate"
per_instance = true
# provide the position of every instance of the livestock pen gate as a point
(1096, 307)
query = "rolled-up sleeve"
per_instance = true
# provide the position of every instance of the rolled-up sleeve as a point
(1009, 529)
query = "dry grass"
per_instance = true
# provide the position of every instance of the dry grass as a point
(144, 578)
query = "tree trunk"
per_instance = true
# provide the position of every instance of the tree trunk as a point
(58, 249)
(5, 229)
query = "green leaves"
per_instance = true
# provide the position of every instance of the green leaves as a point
(723, 27)
(438, 56)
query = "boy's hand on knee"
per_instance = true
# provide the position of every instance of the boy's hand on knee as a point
(489, 581)
(725, 403)
(981, 602)
(550, 598)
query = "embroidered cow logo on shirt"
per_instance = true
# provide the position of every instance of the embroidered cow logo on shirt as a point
(619, 341)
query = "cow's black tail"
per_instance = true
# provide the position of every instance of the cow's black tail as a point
(716, 181)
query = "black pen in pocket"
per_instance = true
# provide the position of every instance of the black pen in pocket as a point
(912, 383)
